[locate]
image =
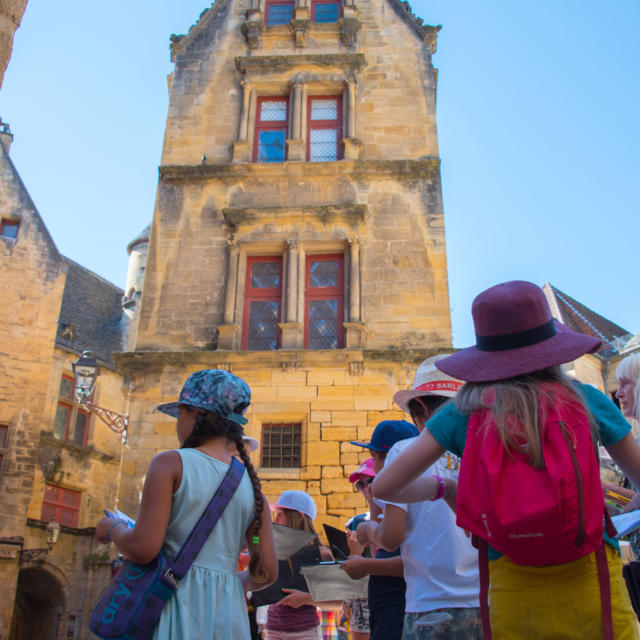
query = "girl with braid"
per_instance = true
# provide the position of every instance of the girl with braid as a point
(209, 602)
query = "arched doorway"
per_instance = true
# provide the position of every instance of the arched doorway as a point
(39, 601)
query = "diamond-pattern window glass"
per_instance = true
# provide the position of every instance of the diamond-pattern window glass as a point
(325, 12)
(263, 325)
(265, 275)
(281, 445)
(280, 13)
(66, 388)
(324, 109)
(273, 111)
(323, 273)
(63, 413)
(323, 324)
(323, 145)
(271, 146)
(80, 431)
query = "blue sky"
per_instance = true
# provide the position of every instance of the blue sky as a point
(537, 119)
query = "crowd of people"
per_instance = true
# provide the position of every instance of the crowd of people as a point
(485, 513)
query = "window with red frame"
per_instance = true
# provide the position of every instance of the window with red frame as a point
(262, 296)
(272, 121)
(71, 423)
(324, 302)
(279, 12)
(324, 128)
(9, 228)
(61, 505)
(324, 11)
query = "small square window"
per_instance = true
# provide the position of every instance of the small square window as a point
(9, 228)
(279, 12)
(324, 11)
(281, 445)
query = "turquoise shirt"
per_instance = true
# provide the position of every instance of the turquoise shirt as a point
(449, 428)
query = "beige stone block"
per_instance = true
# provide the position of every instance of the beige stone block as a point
(276, 487)
(350, 458)
(313, 431)
(165, 428)
(335, 485)
(320, 416)
(295, 392)
(348, 418)
(288, 377)
(344, 501)
(328, 404)
(128, 468)
(339, 391)
(333, 472)
(322, 453)
(325, 378)
(339, 433)
(311, 473)
(365, 433)
(313, 487)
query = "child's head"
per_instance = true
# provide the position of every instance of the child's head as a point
(384, 436)
(363, 475)
(628, 376)
(431, 389)
(295, 509)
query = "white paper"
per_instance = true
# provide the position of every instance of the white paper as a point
(328, 582)
(626, 522)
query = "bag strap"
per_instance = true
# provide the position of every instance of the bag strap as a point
(483, 567)
(207, 521)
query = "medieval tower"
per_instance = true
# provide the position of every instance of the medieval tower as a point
(298, 235)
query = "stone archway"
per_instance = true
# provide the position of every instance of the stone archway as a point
(39, 601)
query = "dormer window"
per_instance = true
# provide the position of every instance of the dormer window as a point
(9, 228)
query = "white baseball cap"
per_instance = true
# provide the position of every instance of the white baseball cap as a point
(297, 501)
(250, 442)
(429, 381)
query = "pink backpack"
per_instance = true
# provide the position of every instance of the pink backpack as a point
(534, 517)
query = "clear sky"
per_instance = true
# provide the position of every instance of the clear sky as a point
(538, 122)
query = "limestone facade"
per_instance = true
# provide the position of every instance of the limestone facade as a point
(11, 12)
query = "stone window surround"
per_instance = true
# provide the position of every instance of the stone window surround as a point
(294, 255)
(347, 25)
(299, 87)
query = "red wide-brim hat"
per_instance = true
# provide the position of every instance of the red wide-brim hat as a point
(515, 335)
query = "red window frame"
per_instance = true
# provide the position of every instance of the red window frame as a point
(325, 293)
(9, 223)
(270, 3)
(325, 124)
(74, 409)
(270, 125)
(261, 294)
(60, 504)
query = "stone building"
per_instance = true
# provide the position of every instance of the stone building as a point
(58, 462)
(11, 12)
(298, 235)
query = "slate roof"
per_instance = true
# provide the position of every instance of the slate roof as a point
(143, 236)
(583, 320)
(91, 316)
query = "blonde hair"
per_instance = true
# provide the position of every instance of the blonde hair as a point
(518, 407)
(629, 369)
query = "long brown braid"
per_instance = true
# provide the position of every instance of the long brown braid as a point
(210, 425)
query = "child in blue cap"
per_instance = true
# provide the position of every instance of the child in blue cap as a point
(209, 601)
(386, 583)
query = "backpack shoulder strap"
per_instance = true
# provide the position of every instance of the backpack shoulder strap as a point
(206, 522)
(483, 567)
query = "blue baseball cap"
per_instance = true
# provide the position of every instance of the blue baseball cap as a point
(213, 390)
(387, 433)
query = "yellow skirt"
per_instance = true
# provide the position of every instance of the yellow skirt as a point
(557, 602)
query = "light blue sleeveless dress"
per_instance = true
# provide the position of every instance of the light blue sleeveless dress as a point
(209, 603)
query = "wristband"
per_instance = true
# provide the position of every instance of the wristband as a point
(112, 527)
(441, 489)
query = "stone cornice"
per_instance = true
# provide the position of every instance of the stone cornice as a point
(352, 214)
(427, 167)
(145, 361)
(271, 64)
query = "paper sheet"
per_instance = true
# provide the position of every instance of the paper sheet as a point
(328, 582)
(626, 522)
(288, 540)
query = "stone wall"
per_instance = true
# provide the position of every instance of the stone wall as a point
(10, 16)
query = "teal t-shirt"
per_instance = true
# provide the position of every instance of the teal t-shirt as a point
(449, 428)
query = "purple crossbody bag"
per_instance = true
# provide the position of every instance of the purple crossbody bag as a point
(131, 606)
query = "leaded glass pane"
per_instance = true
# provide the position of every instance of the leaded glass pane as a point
(80, 429)
(324, 109)
(323, 145)
(66, 388)
(60, 422)
(280, 14)
(325, 12)
(323, 324)
(263, 325)
(273, 111)
(265, 275)
(323, 273)
(271, 146)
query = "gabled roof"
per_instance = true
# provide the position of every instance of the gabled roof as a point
(91, 316)
(143, 236)
(427, 33)
(580, 318)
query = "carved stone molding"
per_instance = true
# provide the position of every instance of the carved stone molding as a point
(271, 64)
(349, 28)
(296, 150)
(253, 27)
(288, 365)
(300, 30)
(355, 335)
(290, 335)
(356, 368)
(228, 337)
(241, 151)
(352, 149)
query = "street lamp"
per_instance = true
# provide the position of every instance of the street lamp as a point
(53, 531)
(85, 372)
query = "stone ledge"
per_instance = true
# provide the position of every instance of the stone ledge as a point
(428, 167)
(271, 64)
